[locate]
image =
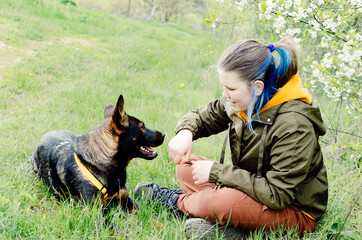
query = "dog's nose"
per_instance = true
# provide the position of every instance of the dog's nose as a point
(160, 135)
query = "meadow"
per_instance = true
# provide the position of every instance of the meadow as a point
(61, 65)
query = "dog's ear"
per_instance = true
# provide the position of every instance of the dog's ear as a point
(119, 114)
(108, 111)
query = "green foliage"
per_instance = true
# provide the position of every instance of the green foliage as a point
(210, 21)
(69, 2)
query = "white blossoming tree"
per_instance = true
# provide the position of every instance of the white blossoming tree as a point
(332, 27)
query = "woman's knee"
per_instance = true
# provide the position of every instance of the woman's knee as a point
(236, 207)
(183, 171)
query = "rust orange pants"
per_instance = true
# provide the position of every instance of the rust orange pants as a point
(228, 205)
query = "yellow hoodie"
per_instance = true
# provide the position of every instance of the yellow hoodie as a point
(292, 90)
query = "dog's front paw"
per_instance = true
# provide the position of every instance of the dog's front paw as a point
(126, 202)
(130, 206)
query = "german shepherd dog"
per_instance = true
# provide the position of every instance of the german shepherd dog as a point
(95, 163)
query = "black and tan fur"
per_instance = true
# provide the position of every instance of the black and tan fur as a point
(105, 152)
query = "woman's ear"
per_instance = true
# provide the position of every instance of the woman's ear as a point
(259, 85)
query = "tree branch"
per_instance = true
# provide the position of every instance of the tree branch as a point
(345, 220)
(323, 28)
(336, 130)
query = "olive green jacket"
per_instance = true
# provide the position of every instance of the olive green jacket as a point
(281, 165)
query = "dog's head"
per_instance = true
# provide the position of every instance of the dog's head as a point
(134, 138)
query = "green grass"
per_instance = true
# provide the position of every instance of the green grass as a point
(60, 66)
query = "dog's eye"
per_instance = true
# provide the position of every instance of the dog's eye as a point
(134, 139)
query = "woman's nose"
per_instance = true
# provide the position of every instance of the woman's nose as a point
(225, 94)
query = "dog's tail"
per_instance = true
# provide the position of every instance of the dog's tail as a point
(34, 160)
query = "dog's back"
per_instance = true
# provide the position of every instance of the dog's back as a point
(53, 147)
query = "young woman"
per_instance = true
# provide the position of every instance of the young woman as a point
(278, 178)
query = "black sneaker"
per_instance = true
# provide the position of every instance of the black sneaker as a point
(155, 192)
(201, 229)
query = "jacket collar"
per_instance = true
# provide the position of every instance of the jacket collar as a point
(267, 117)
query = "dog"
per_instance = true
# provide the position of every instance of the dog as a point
(94, 164)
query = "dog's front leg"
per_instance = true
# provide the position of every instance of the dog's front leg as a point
(126, 202)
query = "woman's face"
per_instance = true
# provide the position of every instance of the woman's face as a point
(236, 90)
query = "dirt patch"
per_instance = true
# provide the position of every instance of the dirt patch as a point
(11, 55)
(71, 40)
(2, 56)
(2, 44)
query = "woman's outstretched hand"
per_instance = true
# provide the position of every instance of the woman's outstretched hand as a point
(180, 147)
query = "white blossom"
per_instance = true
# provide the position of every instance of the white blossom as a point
(356, 2)
(292, 32)
(349, 71)
(315, 24)
(288, 4)
(240, 5)
(332, 25)
(279, 23)
(313, 6)
(297, 3)
(359, 37)
(316, 73)
(327, 61)
(313, 33)
(301, 14)
(297, 40)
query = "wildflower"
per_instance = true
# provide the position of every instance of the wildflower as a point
(30, 74)
(148, 50)
(209, 45)
(123, 26)
(211, 52)
(205, 54)
(182, 85)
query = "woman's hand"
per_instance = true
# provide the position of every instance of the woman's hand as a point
(180, 147)
(201, 170)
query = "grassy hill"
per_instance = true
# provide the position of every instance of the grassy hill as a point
(59, 67)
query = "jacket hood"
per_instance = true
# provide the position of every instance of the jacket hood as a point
(293, 90)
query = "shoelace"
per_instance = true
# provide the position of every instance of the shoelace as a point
(170, 196)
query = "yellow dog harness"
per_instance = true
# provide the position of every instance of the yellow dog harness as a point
(93, 179)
